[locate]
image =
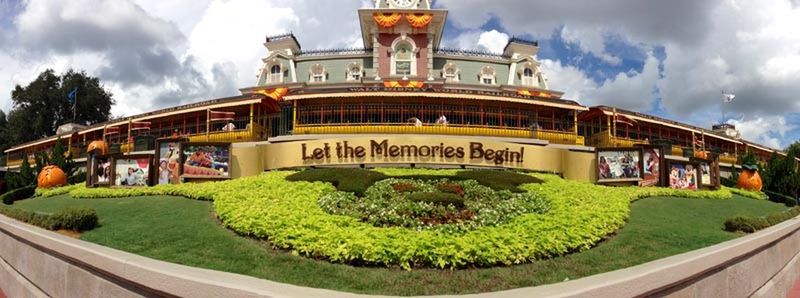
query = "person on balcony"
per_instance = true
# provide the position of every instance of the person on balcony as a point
(442, 120)
(229, 127)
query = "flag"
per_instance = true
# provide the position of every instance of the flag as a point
(728, 97)
(71, 96)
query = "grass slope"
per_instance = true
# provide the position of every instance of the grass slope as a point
(184, 231)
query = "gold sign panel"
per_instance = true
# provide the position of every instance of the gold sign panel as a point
(442, 150)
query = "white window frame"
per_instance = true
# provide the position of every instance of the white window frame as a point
(488, 74)
(272, 77)
(451, 78)
(350, 72)
(528, 80)
(397, 42)
(316, 74)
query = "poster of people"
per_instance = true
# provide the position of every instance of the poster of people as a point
(618, 165)
(102, 170)
(169, 160)
(132, 171)
(652, 167)
(682, 176)
(206, 161)
(705, 174)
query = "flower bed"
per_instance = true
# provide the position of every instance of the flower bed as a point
(451, 206)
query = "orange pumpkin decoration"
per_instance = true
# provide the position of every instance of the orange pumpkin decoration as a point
(100, 146)
(51, 176)
(387, 20)
(701, 154)
(419, 20)
(750, 179)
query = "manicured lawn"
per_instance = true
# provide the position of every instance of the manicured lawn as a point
(185, 231)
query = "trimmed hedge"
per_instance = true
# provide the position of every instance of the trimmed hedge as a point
(358, 180)
(56, 191)
(756, 195)
(288, 215)
(18, 194)
(781, 199)
(345, 179)
(71, 218)
(752, 224)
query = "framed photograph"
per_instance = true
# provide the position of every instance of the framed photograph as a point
(708, 172)
(683, 175)
(99, 171)
(652, 169)
(132, 170)
(206, 160)
(168, 162)
(619, 165)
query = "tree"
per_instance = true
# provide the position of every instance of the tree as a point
(4, 139)
(41, 106)
(24, 178)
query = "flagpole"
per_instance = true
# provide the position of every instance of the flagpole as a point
(723, 107)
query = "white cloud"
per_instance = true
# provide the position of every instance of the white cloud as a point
(768, 131)
(632, 90)
(590, 40)
(493, 41)
(232, 31)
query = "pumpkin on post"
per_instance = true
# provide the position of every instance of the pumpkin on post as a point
(750, 179)
(100, 146)
(51, 176)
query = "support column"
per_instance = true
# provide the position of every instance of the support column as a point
(252, 106)
(208, 124)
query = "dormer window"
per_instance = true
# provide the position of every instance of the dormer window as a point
(404, 57)
(354, 72)
(450, 73)
(317, 73)
(487, 76)
(275, 74)
(529, 74)
(528, 77)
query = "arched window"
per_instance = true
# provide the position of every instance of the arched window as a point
(317, 74)
(404, 57)
(450, 73)
(354, 72)
(275, 74)
(487, 75)
(528, 77)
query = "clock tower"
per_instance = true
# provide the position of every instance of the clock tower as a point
(403, 35)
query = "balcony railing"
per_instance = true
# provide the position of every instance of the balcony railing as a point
(558, 137)
(248, 134)
(603, 139)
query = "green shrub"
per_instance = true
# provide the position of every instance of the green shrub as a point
(18, 194)
(52, 192)
(358, 180)
(76, 218)
(438, 198)
(70, 218)
(752, 224)
(345, 179)
(756, 195)
(499, 180)
(781, 199)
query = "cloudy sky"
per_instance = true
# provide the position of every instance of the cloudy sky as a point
(669, 58)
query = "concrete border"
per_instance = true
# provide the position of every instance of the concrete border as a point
(760, 264)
